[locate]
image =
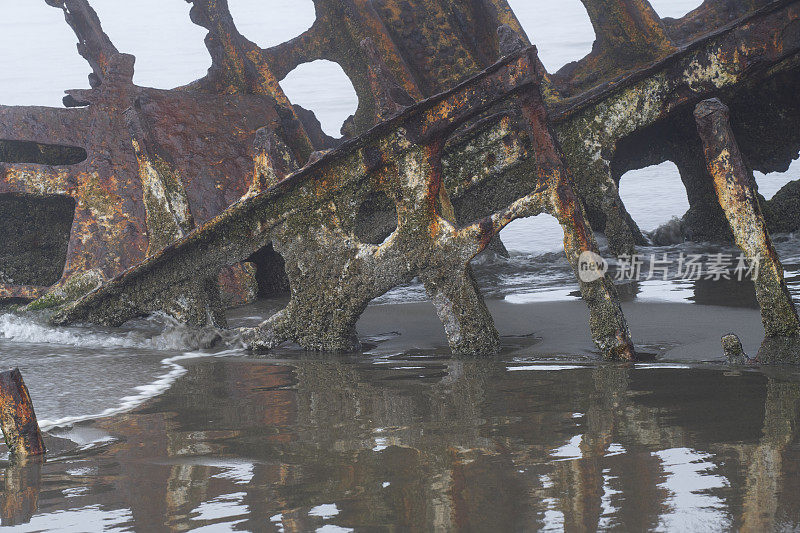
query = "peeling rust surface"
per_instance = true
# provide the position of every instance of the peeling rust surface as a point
(180, 192)
(738, 197)
(154, 158)
(309, 218)
(17, 417)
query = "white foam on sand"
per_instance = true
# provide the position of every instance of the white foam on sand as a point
(143, 393)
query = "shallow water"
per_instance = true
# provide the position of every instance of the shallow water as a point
(402, 436)
(429, 443)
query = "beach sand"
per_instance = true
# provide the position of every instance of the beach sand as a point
(674, 332)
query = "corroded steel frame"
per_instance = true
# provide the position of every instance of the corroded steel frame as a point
(161, 163)
(309, 217)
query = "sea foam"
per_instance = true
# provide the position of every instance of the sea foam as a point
(160, 332)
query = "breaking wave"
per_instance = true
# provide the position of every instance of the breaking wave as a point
(159, 332)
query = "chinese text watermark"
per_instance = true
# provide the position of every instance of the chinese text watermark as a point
(685, 267)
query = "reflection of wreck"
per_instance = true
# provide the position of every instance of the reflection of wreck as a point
(101, 187)
(450, 445)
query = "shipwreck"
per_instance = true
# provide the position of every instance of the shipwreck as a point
(133, 200)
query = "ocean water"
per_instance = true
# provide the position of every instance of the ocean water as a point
(337, 437)
(425, 444)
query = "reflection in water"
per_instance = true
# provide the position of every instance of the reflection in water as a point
(434, 444)
(535, 276)
(21, 487)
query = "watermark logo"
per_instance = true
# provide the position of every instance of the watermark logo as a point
(692, 267)
(591, 267)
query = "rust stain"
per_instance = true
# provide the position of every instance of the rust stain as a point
(17, 417)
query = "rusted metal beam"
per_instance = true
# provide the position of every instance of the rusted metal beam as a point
(628, 29)
(239, 66)
(310, 215)
(390, 97)
(273, 161)
(21, 292)
(628, 34)
(590, 126)
(737, 195)
(168, 216)
(607, 321)
(93, 44)
(710, 14)
(17, 417)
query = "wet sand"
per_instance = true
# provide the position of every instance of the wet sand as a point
(670, 331)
